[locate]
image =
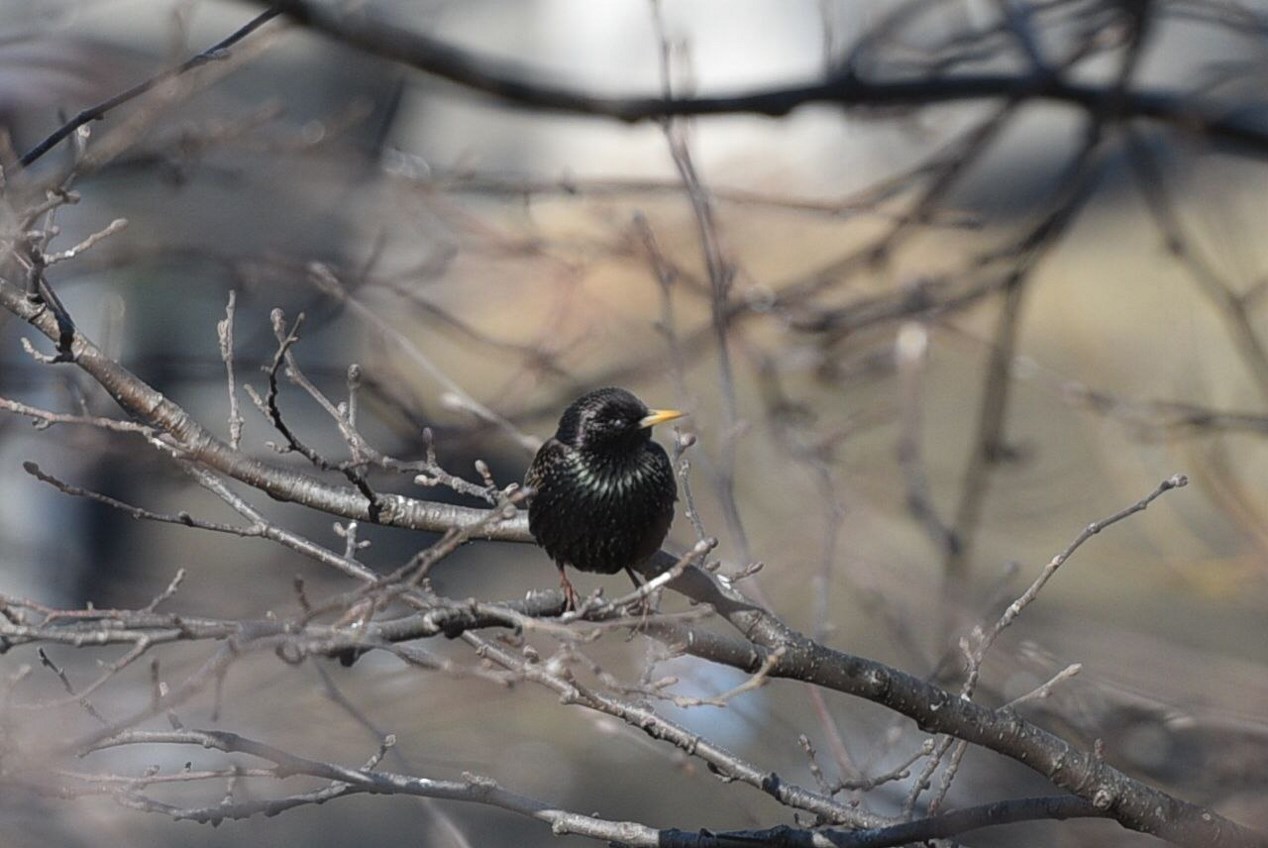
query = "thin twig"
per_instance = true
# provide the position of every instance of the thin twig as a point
(224, 337)
(214, 53)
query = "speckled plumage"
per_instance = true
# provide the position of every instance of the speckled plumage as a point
(603, 491)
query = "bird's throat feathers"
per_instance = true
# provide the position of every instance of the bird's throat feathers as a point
(611, 472)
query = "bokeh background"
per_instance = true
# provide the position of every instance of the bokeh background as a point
(497, 256)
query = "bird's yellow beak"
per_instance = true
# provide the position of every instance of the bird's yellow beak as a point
(659, 416)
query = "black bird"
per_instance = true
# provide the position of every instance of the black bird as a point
(603, 491)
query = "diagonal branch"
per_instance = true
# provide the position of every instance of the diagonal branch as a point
(199, 445)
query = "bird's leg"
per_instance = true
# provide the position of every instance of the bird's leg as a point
(570, 594)
(644, 605)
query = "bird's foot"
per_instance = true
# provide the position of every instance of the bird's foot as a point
(641, 604)
(572, 601)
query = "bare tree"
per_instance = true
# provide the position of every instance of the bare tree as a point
(861, 388)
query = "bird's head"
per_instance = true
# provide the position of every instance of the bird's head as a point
(609, 417)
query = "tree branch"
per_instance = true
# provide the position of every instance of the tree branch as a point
(198, 444)
(521, 86)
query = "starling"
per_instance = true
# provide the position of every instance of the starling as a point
(603, 491)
